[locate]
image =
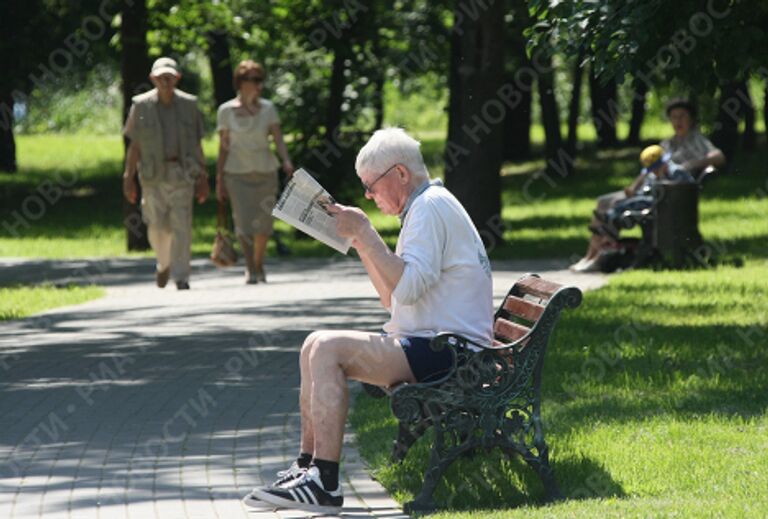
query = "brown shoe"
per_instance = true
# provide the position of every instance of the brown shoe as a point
(161, 277)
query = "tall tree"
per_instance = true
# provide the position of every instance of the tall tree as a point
(31, 31)
(639, 91)
(765, 108)
(574, 107)
(558, 159)
(603, 93)
(221, 66)
(749, 138)
(517, 121)
(726, 134)
(134, 71)
(7, 142)
(475, 116)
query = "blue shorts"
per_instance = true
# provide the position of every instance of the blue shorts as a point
(427, 365)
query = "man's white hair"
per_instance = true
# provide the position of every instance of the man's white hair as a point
(390, 146)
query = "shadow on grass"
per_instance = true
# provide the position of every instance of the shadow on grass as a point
(486, 480)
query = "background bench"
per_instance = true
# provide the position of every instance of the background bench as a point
(491, 397)
(670, 228)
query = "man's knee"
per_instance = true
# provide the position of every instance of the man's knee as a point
(325, 347)
(312, 343)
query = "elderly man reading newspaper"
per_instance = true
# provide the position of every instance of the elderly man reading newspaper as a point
(437, 279)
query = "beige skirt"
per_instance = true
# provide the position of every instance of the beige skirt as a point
(253, 195)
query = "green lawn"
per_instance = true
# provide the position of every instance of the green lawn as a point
(654, 405)
(21, 301)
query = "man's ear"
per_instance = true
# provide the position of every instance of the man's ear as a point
(405, 174)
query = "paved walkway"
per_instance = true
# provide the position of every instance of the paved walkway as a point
(159, 403)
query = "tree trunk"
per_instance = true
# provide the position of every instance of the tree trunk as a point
(639, 90)
(517, 127)
(749, 138)
(473, 152)
(221, 67)
(574, 107)
(333, 173)
(336, 91)
(605, 109)
(558, 160)
(378, 82)
(726, 134)
(378, 102)
(765, 109)
(134, 71)
(517, 121)
(7, 142)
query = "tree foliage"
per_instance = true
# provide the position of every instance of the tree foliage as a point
(700, 43)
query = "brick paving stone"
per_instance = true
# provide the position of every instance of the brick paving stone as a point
(163, 404)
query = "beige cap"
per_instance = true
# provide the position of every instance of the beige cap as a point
(165, 65)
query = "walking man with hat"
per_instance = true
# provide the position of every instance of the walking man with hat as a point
(165, 128)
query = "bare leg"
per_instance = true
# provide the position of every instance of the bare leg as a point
(305, 395)
(246, 243)
(595, 242)
(259, 249)
(334, 357)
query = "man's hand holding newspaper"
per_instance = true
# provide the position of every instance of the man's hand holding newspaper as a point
(306, 205)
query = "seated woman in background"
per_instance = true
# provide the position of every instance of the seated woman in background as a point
(688, 148)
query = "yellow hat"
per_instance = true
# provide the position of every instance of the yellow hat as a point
(651, 154)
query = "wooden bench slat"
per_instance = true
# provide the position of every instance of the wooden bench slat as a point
(521, 308)
(508, 331)
(537, 287)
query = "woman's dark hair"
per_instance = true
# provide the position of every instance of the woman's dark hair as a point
(685, 104)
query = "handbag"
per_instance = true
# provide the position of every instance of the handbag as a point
(223, 253)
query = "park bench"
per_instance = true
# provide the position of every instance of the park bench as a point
(670, 228)
(492, 395)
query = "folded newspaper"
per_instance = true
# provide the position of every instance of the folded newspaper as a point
(303, 205)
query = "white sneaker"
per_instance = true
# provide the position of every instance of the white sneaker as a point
(592, 265)
(283, 477)
(578, 265)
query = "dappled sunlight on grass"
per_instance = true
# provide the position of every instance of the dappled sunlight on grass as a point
(20, 301)
(651, 389)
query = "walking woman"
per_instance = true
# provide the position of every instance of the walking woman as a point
(246, 171)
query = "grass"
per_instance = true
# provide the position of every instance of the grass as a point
(21, 301)
(654, 405)
(543, 219)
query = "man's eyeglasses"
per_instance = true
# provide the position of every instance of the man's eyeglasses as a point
(253, 79)
(369, 187)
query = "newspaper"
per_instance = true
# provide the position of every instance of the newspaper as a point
(303, 204)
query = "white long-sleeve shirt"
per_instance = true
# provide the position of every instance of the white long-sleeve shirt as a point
(446, 285)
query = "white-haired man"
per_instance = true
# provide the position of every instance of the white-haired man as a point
(437, 279)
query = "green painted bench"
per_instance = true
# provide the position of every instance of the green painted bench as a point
(492, 395)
